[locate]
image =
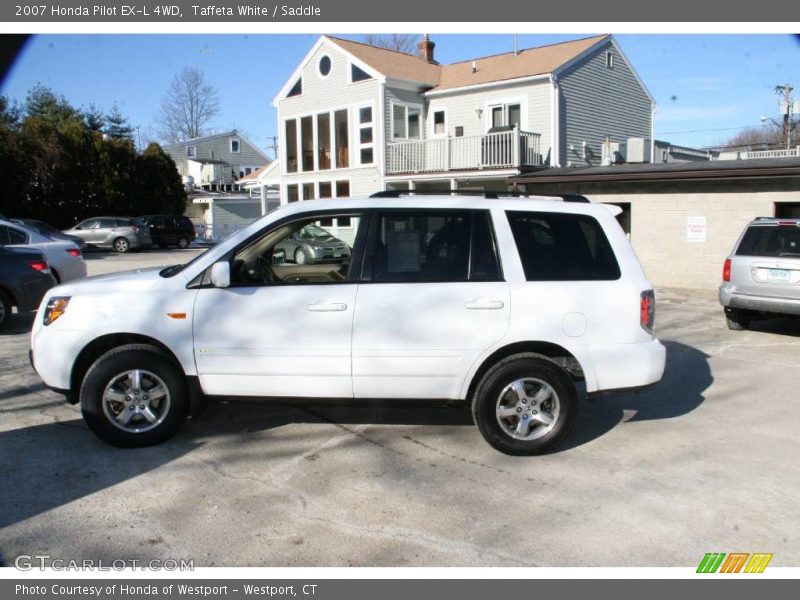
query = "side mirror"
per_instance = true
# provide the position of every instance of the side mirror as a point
(279, 257)
(221, 274)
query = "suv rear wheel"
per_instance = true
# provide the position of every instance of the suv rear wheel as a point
(183, 242)
(525, 405)
(736, 320)
(134, 396)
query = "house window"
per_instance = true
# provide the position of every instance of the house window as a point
(342, 141)
(439, 127)
(506, 115)
(357, 74)
(343, 189)
(325, 189)
(325, 66)
(609, 60)
(297, 88)
(291, 145)
(235, 146)
(292, 193)
(191, 151)
(307, 143)
(405, 120)
(787, 210)
(308, 191)
(365, 136)
(324, 141)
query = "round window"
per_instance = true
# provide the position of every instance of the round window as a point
(324, 66)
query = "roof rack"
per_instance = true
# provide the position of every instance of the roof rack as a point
(488, 194)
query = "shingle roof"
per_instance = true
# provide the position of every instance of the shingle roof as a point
(499, 67)
(392, 63)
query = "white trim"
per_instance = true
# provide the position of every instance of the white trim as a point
(446, 175)
(406, 105)
(489, 84)
(555, 132)
(505, 102)
(238, 144)
(330, 66)
(432, 112)
(359, 126)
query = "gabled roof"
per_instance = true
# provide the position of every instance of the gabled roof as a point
(526, 63)
(215, 136)
(391, 63)
(253, 176)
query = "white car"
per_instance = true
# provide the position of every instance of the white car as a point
(503, 303)
(65, 258)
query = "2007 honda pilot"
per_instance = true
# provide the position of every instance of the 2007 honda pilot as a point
(503, 303)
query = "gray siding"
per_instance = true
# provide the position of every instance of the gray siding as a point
(217, 148)
(403, 97)
(234, 215)
(597, 102)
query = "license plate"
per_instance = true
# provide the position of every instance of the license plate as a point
(337, 253)
(778, 275)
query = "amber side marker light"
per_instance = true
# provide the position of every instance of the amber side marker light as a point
(56, 306)
(176, 315)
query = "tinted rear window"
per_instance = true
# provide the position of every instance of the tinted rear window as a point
(774, 241)
(562, 247)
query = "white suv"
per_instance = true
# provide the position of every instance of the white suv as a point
(504, 303)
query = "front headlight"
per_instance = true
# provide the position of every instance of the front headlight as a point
(56, 306)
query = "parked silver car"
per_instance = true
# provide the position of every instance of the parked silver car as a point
(117, 233)
(313, 244)
(761, 277)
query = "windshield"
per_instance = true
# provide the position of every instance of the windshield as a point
(772, 241)
(312, 232)
(173, 270)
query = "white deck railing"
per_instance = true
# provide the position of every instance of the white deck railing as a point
(501, 150)
(771, 153)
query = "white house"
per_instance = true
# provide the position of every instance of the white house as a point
(355, 119)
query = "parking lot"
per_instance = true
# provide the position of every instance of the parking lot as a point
(706, 461)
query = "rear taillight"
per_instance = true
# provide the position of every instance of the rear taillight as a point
(74, 252)
(726, 270)
(647, 310)
(39, 265)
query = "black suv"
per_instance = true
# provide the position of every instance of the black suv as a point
(170, 230)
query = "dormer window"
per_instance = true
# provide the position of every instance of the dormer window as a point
(191, 151)
(297, 88)
(609, 60)
(235, 146)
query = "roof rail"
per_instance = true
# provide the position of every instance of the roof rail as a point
(490, 194)
(763, 218)
(574, 198)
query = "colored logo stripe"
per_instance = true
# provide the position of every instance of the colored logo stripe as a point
(758, 562)
(711, 562)
(734, 562)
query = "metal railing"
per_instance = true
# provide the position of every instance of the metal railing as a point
(771, 153)
(501, 150)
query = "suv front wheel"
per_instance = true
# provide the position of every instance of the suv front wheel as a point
(525, 405)
(134, 396)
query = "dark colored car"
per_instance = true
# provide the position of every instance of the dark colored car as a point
(48, 230)
(313, 244)
(117, 233)
(170, 230)
(25, 276)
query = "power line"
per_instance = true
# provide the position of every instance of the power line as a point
(708, 130)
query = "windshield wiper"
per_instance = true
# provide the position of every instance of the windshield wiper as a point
(171, 270)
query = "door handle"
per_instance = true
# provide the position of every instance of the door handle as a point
(327, 307)
(484, 304)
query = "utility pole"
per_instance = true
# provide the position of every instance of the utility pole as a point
(274, 146)
(786, 111)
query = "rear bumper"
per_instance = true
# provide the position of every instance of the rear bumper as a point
(624, 366)
(784, 306)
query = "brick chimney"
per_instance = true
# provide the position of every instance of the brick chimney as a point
(425, 48)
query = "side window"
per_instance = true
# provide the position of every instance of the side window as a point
(106, 223)
(88, 224)
(4, 239)
(562, 247)
(418, 246)
(15, 236)
(300, 252)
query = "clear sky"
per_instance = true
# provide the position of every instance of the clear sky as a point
(706, 86)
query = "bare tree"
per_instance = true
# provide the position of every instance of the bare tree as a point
(188, 106)
(402, 42)
(753, 138)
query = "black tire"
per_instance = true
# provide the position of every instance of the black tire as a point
(56, 276)
(183, 243)
(561, 406)
(121, 245)
(110, 367)
(736, 320)
(300, 257)
(5, 309)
